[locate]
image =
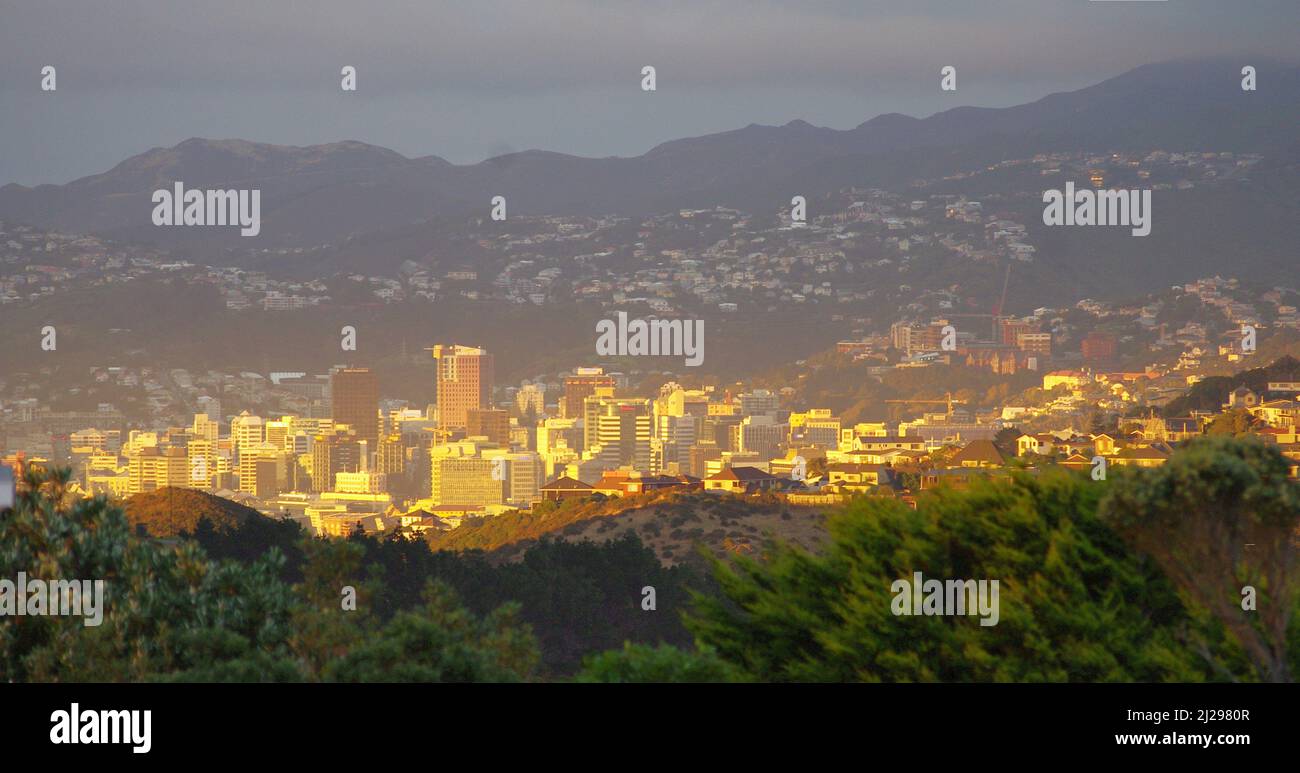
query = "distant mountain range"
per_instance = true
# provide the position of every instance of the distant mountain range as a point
(321, 193)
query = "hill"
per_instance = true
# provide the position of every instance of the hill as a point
(169, 511)
(324, 192)
(1210, 393)
(672, 524)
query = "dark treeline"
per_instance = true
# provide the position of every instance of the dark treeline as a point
(579, 598)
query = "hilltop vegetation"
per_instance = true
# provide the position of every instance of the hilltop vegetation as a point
(671, 523)
(171, 511)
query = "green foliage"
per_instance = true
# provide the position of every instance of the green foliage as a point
(171, 613)
(441, 642)
(1076, 603)
(578, 597)
(637, 663)
(493, 532)
(1219, 516)
(1237, 421)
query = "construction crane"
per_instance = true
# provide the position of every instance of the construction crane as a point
(946, 401)
(1006, 280)
(997, 315)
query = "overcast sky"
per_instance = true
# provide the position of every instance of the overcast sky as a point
(476, 78)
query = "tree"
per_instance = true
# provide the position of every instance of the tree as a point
(637, 663)
(1222, 515)
(171, 613)
(1005, 440)
(1237, 421)
(1075, 603)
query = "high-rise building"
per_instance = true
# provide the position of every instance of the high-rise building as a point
(677, 434)
(676, 401)
(354, 397)
(460, 475)
(578, 387)
(815, 427)
(759, 401)
(202, 459)
(491, 423)
(618, 431)
(205, 428)
(332, 454)
(151, 469)
(523, 473)
(263, 470)
(278, 432)
(246, 431)
(717, 430)
(390, 455)
(464, 381)
(759, 435)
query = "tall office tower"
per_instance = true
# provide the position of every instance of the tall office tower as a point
(459, 474)
(201, 455)
(759, 435)
(464, 382)
(332, 454)
(578, 387)
(759, 402)
(205, 428)
(151, 469)
(523, 475)
(466, 480)
(618, 431)
(677, 434)
(816, 427)
(262, 470)
(246, 431)
(390, 455)
(354, 395)
(492, 423)
(717, 430)
(278, 431)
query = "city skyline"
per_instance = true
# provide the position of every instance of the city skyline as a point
(651, 341)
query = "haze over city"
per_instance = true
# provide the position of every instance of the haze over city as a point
(467, 81)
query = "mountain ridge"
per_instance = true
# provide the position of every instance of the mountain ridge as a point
(325, 192)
